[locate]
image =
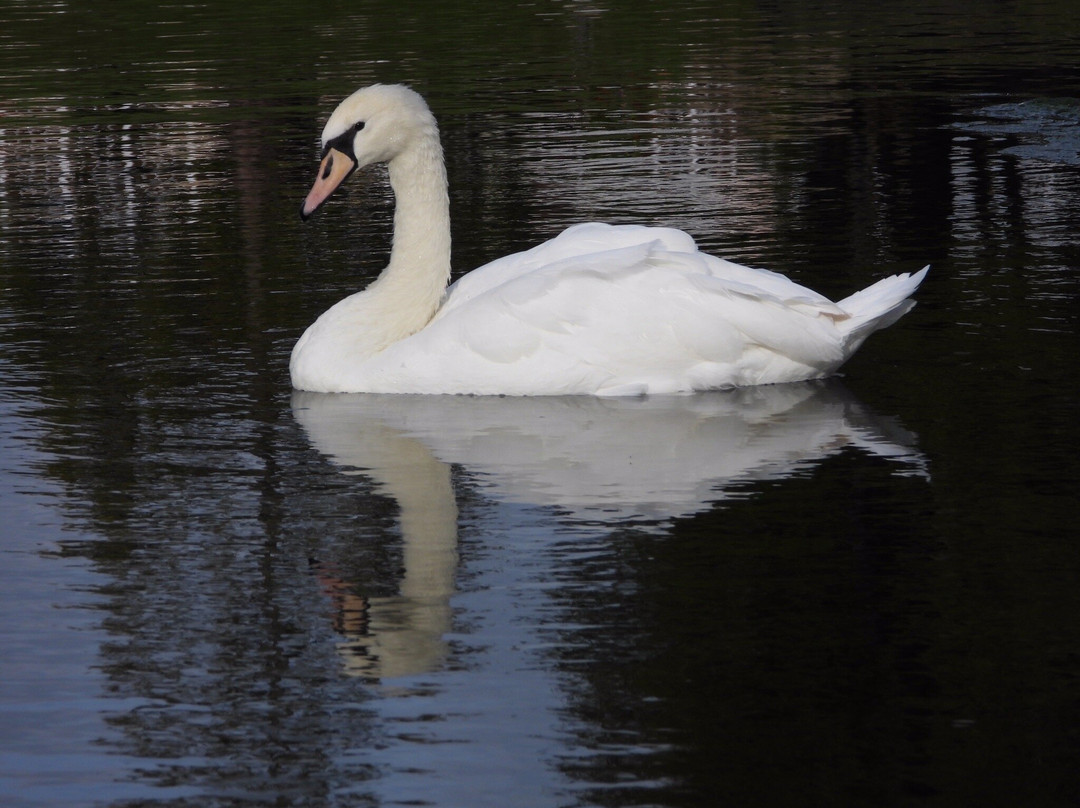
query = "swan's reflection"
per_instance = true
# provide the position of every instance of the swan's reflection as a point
(391, 636)
(607, 461)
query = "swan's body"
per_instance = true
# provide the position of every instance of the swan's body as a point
(598, 310)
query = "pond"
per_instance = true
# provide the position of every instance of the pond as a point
(217, 591)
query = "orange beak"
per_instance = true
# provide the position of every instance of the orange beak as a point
(333, 170)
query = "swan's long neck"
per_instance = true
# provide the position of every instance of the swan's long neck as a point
(410, 289)
(408, 292)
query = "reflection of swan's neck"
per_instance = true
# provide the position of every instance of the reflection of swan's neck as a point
(411, 287)
(428, 517)
(405, 633)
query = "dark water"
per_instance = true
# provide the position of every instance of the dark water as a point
(214, 592)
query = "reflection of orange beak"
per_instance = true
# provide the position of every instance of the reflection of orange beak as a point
(333, 170)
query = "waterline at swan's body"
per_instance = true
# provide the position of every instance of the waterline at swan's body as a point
(597, 310)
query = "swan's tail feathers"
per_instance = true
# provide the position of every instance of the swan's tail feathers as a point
(879, 305)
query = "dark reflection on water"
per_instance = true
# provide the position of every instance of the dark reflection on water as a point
(218, 594)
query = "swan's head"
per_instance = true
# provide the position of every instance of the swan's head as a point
(373, 125)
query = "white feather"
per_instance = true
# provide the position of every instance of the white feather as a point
(599, 309)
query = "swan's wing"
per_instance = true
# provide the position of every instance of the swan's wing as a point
(594, 243)
(642, 281)
(637, 317)
(578, 242)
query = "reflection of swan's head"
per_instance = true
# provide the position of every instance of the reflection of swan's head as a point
(373, 125)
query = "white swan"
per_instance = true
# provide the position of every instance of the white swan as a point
(600, 309)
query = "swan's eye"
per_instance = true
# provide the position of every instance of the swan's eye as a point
(343, 142)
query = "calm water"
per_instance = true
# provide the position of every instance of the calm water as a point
(215, 592)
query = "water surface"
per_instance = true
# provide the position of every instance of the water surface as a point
(217, 592)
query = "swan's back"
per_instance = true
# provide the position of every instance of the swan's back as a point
(616, 311)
